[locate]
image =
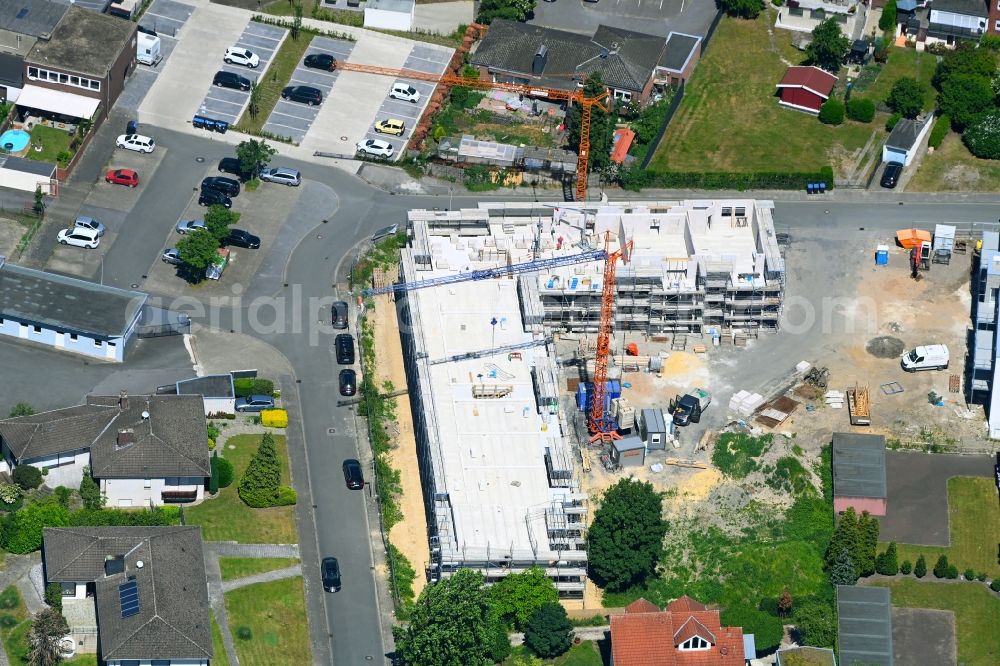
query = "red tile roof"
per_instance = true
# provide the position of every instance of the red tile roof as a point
(813, 79)
(692, 627)
(685, 604)
(642, 606)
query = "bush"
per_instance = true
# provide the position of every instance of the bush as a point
(90, 491)
(225, 472)
(995, 584)
(213, 479)
(53, 595)
(981, 576)
(286, 496)
(22, 532)
(906, 97)
(766, 628)
(887, 21)
(832, 112)
(245, 386)
(886, 562)
(9, 598)
(161, 515)
(8, 621)
(892, 120)
(27, 477)
(939, 131)
(861, 109)
(10, 493)
(905, 568)
(549, 633)
(259, 485)
(952, 572)
(243, 633)
(941, 567)
(982, 137)
(222, 415)
(969, 574)
(274, 418)
(635, 179)
(920, 568)
(62, 495)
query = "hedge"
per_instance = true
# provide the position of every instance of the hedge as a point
(245, 386)
(939, 131)
(636, 179)
(274, 418)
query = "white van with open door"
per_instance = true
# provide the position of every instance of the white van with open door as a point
(927, 357)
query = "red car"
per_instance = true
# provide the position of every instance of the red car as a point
(122, 177)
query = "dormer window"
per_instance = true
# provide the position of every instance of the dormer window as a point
(694, 643)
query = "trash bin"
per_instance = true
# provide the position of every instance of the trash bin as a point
(132, 127)
(810, 188)
(221, 126)
(198, 122)
(822, 188)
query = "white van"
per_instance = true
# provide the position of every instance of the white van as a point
(927, 357)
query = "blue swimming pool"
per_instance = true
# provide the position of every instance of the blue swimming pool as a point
(14, 140)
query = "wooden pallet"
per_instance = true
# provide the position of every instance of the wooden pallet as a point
(954, 383)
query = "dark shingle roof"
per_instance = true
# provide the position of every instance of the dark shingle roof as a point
(511, 47)
(678, 50)
(57, 431)
(84, 42)
(11, 70)
(904, 134)
(67, 303)
(858, 465)
(31, 17)
(173, 620)
(865, 625)
(44, 169)
(968, 7)
(210, 386)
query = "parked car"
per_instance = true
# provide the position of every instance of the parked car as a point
(85, 222)
(926, 357)
(225, 79)
(404, 92)
(321, 61)
(187, 226)
(254, 403)
(338, 314)
(122, 177)
(353, 475)
(304, 94)
(348, 382)
(331, 574)
(213, 197)
(136, 142)
(286, 176)
(385, 232)
(890, 177)
(241, 238)
(390, 126)
(232, 165)
(171, 256)
(80, 237)
(227, 186)
(344, 344)
(375, 147)
(237, 55)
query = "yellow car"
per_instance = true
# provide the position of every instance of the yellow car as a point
(390, 126)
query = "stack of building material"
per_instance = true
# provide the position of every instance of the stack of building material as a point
(746, 403)
(834, 399)
(802, 367)
(623, 412)
(736, 402)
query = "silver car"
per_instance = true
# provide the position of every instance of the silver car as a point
(187, 226)
(171, 256)
(85, 222)
(283, 175)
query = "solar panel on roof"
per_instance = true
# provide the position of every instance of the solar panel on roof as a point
(128, 596)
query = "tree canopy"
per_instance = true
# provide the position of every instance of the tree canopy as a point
(198, 248)
(828, 46)
(982, 137)
(965, 59)
(816, 623)
(906, 97)
(262, 478)
(516, 597)
(253, 155)
(514, 10)
(48, 627)
(965, 96)
(549, 633)
(601, 127)
(887, 21)
(748, 9)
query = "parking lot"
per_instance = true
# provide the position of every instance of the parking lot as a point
(228, 104)
(652, 17)
(166, 17)
(422, 58)
(294, 118)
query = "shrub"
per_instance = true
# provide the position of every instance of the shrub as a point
(952, 572)
(939, 131)
(941, 567)
(213, 479)
(222, 415)
(259, 485)
(832, 112)
(9, 598)
(981, 576)
(735, 454)
(62, 495)
(9, 493)
(982, 137)
(21, 409)
(892, 120)
(920, 568)
(549, 633)
(23, 531)
(27, 477)
(969, 574)
(213, 430)
(861, 109)
(90, 491)
(161, 515)
(53, 595)
(905, 568)
(225, 472)
(995, 584)
(906, 97)
(245, 386)
(243, 633)
(767, 629)
(886, 563)
(286, 496)
(887, 21)
(274, 418)
(8, 621)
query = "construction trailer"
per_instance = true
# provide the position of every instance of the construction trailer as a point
(652, 429)
(628, 451)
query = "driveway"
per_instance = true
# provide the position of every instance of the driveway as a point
(652, 17)
(923, 636)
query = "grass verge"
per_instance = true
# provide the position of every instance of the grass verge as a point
(220, 658)
(226, 518)
(241, 567)
(952, 168)
(976, 609)
(275, 614)
(273, 80)
(974, 522)
(587, 653)
(15, 637)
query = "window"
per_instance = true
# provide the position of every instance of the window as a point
(68, 589)
(36, 73)
(147, 483)
(695, 643)
(33, 71)
(36, 329)
(95, 85)
(73, 337)
(64, 78)
(112, 344)
(623, 95)
(996, 26)
(74, 80)
(98, 343)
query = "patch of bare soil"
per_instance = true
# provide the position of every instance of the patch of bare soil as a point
(10, 234)
(961, 177)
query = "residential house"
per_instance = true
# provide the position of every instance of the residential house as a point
(217, 391)
(904, 140)
(951, 21)
(680, 56)
(68, 313)
(144, 450)
(685, 634)
(142, 590)
(805, 88)
(805, 15)
(521, 53)
(859, 473)
(11, 77)
(24, 22)
(864, 625)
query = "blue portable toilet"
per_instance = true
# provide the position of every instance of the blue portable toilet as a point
(614, 389)
(581, 397)
(882, 255)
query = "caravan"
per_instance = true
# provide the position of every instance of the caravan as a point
(147, 49)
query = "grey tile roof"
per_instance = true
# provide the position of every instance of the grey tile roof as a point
(904, 134)
(858, 465)
(66, 303)
(84, 41)
(678, 49)
(865, 625)
(511, 47)
(968, 7)
(32, 17)
(58, 431)
(210, 386)
(173, 619)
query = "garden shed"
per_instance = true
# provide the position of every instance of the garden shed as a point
(905, 138)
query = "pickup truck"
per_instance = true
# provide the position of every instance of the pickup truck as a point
(688, 408)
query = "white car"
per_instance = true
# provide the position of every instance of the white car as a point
(376, 147)
(405, 92)
(79, 237)
(237, 55)
(136, 142)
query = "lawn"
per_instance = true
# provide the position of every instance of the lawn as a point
(977, 614)
(220, 658)
(903, 62)
(587, 653)
(275, 613)
(15, 637)
(274, 79)
(241, 567)
(52, 140)
(226, 518)
(974, 520)
(730, 120)
(952, 168)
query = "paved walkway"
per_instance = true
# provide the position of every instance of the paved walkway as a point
(266, 577)
(583, 633)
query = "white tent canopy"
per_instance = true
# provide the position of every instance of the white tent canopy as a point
(55, 101)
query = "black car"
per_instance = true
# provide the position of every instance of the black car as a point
(331, 574)
(225, 79)
(348, 382)
(213, 197)
(232, 165)
(227, 186)
(353, 475)
(345, 349)
(321, 61)
(241, 238)
(890, 177)
(338, 315)
(305, 94)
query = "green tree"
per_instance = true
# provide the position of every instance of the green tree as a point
(887, 21)
(982, 136)
(450, 625)
(296, 20)
(601, 127)
(785, 603)
(39, 205)
(906, 567)
(887, 563)
(965, 59)
(27, 476)
(549, 633)
(844, 571)
(965, 96)
(22, 532)
(256, 97)
(816, 623)
(845, 537)
(226, 472)
(920, 568)
(625, 541)
(941, 567)
(198, 248)
(952, 572)
(21, 409)
(861, 109)
(262, 478)
(832, 112)
(864, 555)
(218, 219)
(47, 629)
(253, 155)
(828, 46)
(906, 97)
(514, 10)
(90, 491)
(517, 596)
(767, 629)
(747, 9)
(53, 595)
